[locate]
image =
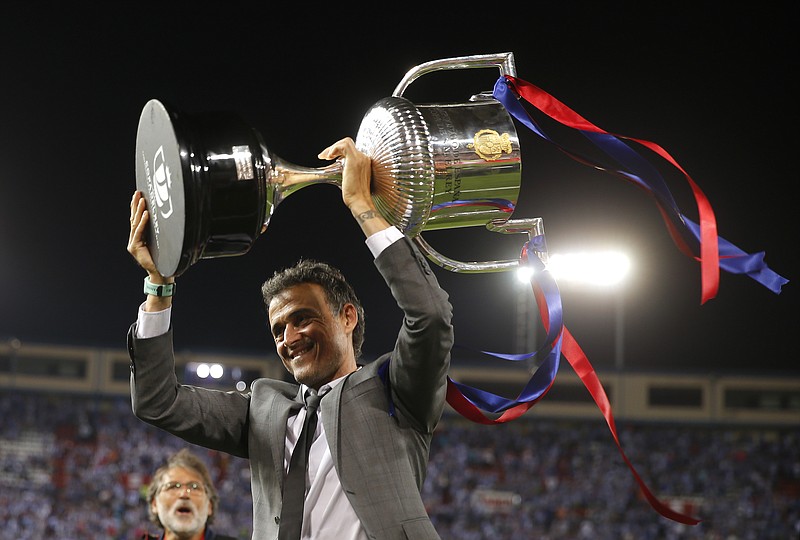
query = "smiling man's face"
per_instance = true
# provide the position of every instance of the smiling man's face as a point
(182, 503)
(314, 344)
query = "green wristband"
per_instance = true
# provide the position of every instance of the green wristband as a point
(166, 289)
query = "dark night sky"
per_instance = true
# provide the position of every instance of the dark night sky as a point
(713, 87)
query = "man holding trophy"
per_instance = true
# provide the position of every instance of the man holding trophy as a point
(369, 450)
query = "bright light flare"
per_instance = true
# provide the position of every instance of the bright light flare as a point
(524, 274)
(602, 268)
(216, 371)
(606, 268)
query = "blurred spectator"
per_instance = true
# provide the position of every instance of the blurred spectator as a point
(182, 500)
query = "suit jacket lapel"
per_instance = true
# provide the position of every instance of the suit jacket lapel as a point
(280, 407)
(331, 406)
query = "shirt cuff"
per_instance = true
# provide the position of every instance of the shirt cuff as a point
(383, 239)
(152, 323)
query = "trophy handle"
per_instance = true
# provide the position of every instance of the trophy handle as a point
(533, 227)
(503, 61)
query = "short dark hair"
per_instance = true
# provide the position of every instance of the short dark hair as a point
(337, 290)
(187, 460)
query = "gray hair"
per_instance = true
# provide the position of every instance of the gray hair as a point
(185, 459)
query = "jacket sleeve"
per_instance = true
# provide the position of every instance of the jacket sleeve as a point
(202, 416)
(421, 357)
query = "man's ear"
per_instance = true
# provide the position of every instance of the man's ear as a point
(350, 316)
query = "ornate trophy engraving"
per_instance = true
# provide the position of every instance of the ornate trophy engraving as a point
(212, 185)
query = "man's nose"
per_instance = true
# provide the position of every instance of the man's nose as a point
(291, 334)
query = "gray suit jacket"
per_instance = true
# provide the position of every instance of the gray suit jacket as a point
(379, 432)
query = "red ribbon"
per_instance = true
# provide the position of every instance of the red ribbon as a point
(580, 363)
(583, 368)
(709, 248)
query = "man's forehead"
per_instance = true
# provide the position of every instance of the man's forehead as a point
(302, 294)
(181, 474)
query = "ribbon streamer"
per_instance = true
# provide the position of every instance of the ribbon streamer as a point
(470, 402)
(714, 252)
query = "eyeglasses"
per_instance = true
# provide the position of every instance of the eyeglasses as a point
(176, 488)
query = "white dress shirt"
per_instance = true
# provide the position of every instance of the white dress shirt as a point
(327, 514)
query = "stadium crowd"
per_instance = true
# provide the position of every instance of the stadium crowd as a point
(77, 466)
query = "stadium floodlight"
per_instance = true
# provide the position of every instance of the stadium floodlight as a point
(602, 268)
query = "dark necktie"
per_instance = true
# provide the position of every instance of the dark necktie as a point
(294, 486)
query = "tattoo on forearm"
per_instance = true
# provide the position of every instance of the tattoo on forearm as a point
(364, 216)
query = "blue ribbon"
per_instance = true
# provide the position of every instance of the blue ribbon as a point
(545, 374)
(732, 259)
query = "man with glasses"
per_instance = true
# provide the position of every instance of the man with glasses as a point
(181, 499)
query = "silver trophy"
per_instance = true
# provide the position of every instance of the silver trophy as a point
(212, 185)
